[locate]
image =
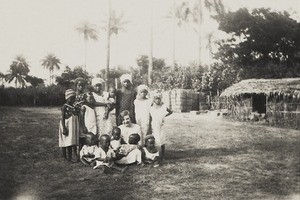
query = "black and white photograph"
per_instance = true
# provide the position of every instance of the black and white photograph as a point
(150, 99)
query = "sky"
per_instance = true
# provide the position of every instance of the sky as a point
(34, 28)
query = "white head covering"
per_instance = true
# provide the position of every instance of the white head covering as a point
(126, 77)
(98, 80)
(157, 94)
(142, 87)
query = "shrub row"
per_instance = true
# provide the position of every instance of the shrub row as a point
(40, 96)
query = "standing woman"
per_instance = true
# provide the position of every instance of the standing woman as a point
(125, 98)
(100, 97)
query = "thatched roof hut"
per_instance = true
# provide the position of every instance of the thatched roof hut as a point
(289, 87)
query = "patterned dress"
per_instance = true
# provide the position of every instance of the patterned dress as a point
(80, 99)
(72, 124)
(124, 101)
(100, 112)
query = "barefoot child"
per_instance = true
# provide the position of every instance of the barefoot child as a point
(158, 112)
(68, 126)
(89, 152)
(142, 108)
(150, 155)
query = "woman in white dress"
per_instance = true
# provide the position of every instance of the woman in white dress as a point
(100, 97)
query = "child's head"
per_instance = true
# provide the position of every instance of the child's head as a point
(126, 80)
(149, 141)
(112, 92)
(134, 138)
(90, 98)
(104, 141)
(80, 84)
(157, 96)
(90, 139)
(116, 133)
(143, 91)
(125, 117)
(70, 96)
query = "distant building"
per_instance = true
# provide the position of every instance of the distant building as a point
(277, 100)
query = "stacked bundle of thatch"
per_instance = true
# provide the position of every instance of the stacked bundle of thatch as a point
(181, 100)
(288, 87)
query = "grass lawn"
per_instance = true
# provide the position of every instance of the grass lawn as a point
(206, 158)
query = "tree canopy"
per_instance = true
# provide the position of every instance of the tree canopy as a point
(262, 43)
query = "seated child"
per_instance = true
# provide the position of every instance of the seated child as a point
(150, 155)
(129, 153)
(89, 152)
(116, 140)
(107, 155)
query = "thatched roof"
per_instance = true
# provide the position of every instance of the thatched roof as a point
(286, 87)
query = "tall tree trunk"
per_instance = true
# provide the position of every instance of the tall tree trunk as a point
(85, 54)
(150, 67)
(108, 46)
(174, 31)
(199, 32)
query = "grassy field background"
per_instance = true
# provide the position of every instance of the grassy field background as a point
(206, 158)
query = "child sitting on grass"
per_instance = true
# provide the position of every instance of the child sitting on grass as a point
(107, 155)
(150, 155)
(129, 153)
(116, 141)
(89, 152)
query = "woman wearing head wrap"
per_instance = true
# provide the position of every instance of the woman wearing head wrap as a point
(68, 126)
(125, 98)
(142, 108)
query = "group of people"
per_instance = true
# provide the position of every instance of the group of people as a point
(120, 127)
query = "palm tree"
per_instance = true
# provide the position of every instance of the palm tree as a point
(18, 71)
(179, 14)
(51, 62)
(196, 13)
(89, 32)
(115, 24)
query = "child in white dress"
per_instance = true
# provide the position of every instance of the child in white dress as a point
(142, 110)
(150, 155)
(158, 112)
(89, 115)
(107, 155)
(90, 151)
(69, 126)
